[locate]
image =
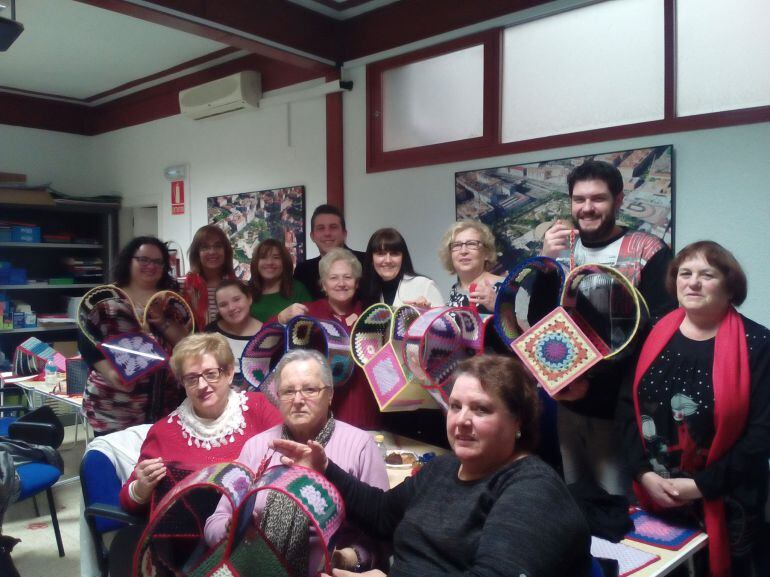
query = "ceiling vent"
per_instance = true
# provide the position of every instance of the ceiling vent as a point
(235, 92)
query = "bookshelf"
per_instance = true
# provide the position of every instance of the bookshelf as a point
(92, 238)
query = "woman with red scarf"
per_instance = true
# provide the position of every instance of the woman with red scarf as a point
(698, 438)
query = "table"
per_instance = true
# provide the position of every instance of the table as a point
(397, 442)
(669, 560)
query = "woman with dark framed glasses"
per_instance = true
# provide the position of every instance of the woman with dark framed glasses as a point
(210, 426)
(468, 250)
(143, 268)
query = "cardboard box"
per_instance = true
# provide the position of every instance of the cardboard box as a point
(25, 234)
(38, 196)
(67, 348)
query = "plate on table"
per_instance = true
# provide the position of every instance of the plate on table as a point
(400, 459)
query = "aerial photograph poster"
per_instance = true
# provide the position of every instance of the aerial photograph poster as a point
(520, 202)
(248, 218)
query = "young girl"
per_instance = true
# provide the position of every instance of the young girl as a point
(234, 322)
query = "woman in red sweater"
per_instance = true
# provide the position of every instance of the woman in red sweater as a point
(210, 426)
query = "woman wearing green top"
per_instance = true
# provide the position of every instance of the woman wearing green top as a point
(271, 280)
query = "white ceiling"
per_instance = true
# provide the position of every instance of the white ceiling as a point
(75, 50)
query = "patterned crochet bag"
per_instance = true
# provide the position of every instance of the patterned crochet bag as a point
(437, 341)
(31, 356)
(265, 349)
(245, 551)
(528, 293)
(138, 350)
(601, 314)
(107, 317)
(377, 346)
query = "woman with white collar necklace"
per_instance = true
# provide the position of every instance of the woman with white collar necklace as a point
(210, 426)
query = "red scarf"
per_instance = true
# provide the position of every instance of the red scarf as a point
(731, 377)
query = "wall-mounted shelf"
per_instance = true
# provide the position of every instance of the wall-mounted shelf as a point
(51, 260)
(50, 245)
(45, 286)
(48, 329)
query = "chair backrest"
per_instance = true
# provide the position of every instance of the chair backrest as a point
(40, 426)
(100, 484)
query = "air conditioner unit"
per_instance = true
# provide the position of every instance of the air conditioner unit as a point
(234, 92)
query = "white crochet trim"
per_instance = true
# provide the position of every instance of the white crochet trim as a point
(208, 433)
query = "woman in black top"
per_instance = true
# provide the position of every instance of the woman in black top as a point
(488, 508)
(697, 433)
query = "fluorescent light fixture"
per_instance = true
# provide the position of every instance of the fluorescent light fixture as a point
(10, 29)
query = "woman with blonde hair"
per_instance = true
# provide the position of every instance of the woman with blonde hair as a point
(468, 250)
(210, 426)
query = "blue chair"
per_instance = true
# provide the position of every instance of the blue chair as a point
(41, 427)
(103, 514)
(596, 569)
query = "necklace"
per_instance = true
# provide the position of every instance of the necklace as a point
(208, 433)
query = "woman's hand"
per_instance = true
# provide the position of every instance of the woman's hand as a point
(345, 558)
(484, 293)
(148, 473)
(104, 368)
(343, 573)
(663, 491)
(687, 489)
(421, 302)
(291, 311)
(311, 455)
(557, 239)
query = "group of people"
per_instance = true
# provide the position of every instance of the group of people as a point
(686, 420)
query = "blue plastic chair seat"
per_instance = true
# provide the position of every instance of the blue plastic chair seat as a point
(96, 465)
(5, 422)
(35, 478)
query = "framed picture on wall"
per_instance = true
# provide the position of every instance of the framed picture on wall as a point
(248, 218)
(520, 202)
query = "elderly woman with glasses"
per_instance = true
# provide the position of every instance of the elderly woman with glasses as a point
(340, 274)
(210, 426)
(304, 386)
(468, 250)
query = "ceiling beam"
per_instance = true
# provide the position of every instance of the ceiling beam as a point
(408, 21)
(276, 29)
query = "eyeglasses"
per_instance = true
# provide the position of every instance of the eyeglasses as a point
(305, 393)
(457, 246)
(209, 375)
(146, 261)
(216, 247)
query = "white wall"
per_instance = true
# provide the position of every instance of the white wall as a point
(63, 160)
(245, 151)
(721, 191)
(722, 176)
